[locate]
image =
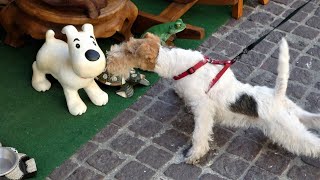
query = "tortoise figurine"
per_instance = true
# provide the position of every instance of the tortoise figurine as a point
(126, 85)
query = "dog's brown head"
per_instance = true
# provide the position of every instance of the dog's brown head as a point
(145, 51)
(136, 53)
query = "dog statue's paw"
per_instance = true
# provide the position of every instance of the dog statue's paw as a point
(42, 85)
(77, 108)
(100, 99)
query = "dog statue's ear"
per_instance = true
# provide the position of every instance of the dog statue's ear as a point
(88, 28)
(69, 30)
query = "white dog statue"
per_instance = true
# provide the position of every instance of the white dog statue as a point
(74, 64)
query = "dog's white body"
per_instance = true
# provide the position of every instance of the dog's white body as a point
(277, 116)
(229, 102)
(69, 64)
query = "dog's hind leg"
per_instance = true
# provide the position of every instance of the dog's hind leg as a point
(203, 114)
(39, 80)
(286, 129)
(310, 120)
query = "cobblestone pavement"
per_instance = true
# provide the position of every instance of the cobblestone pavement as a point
(147, 140)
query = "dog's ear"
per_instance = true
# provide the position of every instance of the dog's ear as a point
(132, 45)
(148, 51)
(69, 30)
(88, 28)
(152, 36)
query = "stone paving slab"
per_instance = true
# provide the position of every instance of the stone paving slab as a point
(149, 139)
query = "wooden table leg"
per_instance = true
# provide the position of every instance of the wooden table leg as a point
(264, 2)
(237, 9)
(14, 39)
(14, 36)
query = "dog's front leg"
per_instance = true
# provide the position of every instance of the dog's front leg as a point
(75, 105)
(203, 114)
(96, 95)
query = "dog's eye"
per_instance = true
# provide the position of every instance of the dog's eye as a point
(94, 43)
(78, 46)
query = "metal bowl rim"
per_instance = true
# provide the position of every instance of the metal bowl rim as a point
(15, 163)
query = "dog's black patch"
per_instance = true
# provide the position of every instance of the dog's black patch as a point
(246, 105)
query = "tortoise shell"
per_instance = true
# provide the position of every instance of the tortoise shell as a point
(112, 80)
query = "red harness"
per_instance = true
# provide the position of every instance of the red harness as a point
(193, 69)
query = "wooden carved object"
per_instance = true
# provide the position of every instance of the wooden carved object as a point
(93, 7)
(3, 3)
(173, 12)
(177, 8)
(35, 17)
(182, 1)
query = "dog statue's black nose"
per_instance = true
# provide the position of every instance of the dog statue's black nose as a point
(92, 55)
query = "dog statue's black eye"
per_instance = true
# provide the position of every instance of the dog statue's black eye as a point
(94, 43)
(78, 46)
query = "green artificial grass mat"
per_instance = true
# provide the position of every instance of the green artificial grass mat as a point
(39, 124)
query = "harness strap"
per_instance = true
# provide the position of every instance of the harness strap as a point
(219, 75)
(190, 70)
(193, 69)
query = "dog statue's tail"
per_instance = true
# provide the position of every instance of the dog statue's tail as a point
(50, 35)
(283, 70)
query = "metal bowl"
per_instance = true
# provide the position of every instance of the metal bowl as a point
(8, 160)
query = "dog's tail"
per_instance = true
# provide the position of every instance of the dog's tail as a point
(283, 70)
(50, 35)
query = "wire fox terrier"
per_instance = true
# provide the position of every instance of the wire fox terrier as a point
(74, 64)
(229, 102)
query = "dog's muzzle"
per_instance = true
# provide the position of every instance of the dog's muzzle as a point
(92, 55)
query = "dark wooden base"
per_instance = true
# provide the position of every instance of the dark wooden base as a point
(34, 18)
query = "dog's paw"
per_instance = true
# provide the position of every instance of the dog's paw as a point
(100, 99)
(42, 85)
(193, 156)
(77, 108)
(192, 160)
